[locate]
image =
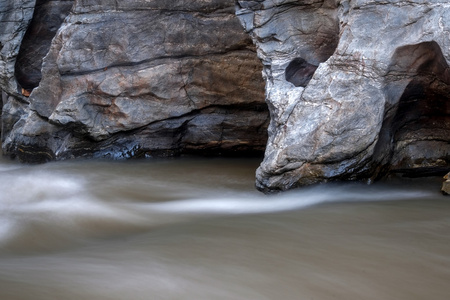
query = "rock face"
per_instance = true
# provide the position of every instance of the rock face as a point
(129, 78)
(355, 88)
(14, 17)
(47, 19)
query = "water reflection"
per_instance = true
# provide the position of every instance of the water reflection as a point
(197, 229)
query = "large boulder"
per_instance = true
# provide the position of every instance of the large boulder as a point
(135, 78)
(355, 88)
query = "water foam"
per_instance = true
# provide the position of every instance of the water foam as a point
(244, 203)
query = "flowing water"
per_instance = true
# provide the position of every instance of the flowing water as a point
(197, 229)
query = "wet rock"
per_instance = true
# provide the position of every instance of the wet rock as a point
(378, 100)
(446, 185)
(138, 78)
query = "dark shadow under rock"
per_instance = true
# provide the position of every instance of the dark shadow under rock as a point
(420, 127)
(299, 72)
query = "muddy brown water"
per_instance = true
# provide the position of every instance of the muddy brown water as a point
(198, 229)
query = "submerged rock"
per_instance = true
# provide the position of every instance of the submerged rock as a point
(378, 100)
(132, 78)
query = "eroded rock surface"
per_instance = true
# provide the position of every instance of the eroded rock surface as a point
(378, 100)
(355, 89)
(14, 19)
(136, 78)
(47, 18)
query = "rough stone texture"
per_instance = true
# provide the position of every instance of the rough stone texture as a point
(47, 18)
(378, 100)
(15, 15)
(3, 99)
(136, 78)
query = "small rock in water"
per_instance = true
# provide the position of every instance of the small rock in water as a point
(446, 185)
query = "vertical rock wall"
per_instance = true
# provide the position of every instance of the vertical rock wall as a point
(134, 78)
(14, 19)
(355, 88)
(47, 19)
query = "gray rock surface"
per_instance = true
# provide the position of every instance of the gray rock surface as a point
(135, 78)
(15, 15)
(378, 100)
(47, 18)
(355, 89)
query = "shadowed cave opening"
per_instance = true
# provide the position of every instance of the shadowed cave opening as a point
(311, 34)
(47, 18)
(420, 126)
(299, 72)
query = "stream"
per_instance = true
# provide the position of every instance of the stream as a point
(196, 228)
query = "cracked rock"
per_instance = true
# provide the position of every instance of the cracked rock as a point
(134, 78)
(356, 89)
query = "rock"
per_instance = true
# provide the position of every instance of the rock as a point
(355, 89)
(136, 78)
(299, 72)
(15, 15)
(3, 99)
(378, 100)
(446, 185)
(47, 18)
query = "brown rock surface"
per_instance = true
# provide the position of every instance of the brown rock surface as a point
(137, 78)
(446, 185)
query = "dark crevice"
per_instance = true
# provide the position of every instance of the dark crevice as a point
(416, 132)
(47, 19)
(156, 60)
(299, 72)
(96, 8)
(222, 109)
